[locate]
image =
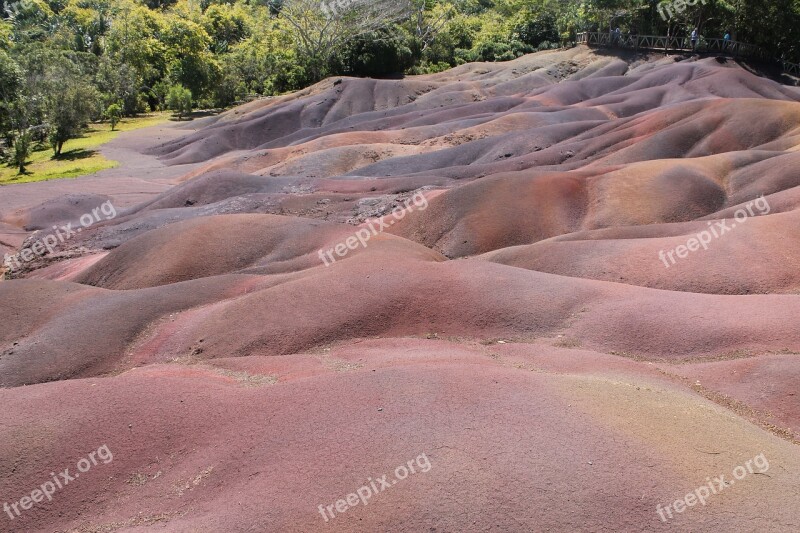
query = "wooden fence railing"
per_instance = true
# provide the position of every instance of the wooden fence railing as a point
(681, 44)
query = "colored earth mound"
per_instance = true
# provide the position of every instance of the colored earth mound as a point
(569, 282)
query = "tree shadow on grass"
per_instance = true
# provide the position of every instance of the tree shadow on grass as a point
(19, 176)
(203, 113)
(75, 155)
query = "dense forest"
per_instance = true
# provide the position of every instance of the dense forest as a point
(65, 63)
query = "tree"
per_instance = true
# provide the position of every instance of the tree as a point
(70, 110)
(321, 28)
(135, 39)
(265, 63)
(121, 84)
(179, 100)
(429, 18)
(608, 14)
(29, 19)
(536, 28)
(113, 113)
(6, 34)
(190, 60)
(10, 86)
(380, 53)
(22, 150)
(226, 25)
(452, 44)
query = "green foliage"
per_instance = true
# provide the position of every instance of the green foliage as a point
(10, 88)
(85, 159)
(158, 95)
(379, 53)
(133, 39)
(535, 28)
(22, 151)
(267, 62)
(6, 35)
(500, 50)
(120, 83)
(179, 100)
(114, 114)
(226, 25)
(69, 110)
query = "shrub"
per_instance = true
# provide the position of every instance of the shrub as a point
(22, 150)
(498, 50)
(113, 113)
(179, 100)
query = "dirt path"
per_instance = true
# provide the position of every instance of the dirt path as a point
(137, 178)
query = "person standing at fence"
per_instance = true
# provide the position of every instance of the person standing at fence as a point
(726, 41)
(694, 39)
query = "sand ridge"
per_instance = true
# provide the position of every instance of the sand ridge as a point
(520, 326)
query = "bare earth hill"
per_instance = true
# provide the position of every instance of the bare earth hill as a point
(570, 282)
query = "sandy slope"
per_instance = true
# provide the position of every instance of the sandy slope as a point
(517, 319)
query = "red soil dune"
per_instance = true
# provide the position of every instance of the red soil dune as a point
(506, 269)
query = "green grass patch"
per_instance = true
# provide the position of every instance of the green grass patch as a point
(79, 156)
